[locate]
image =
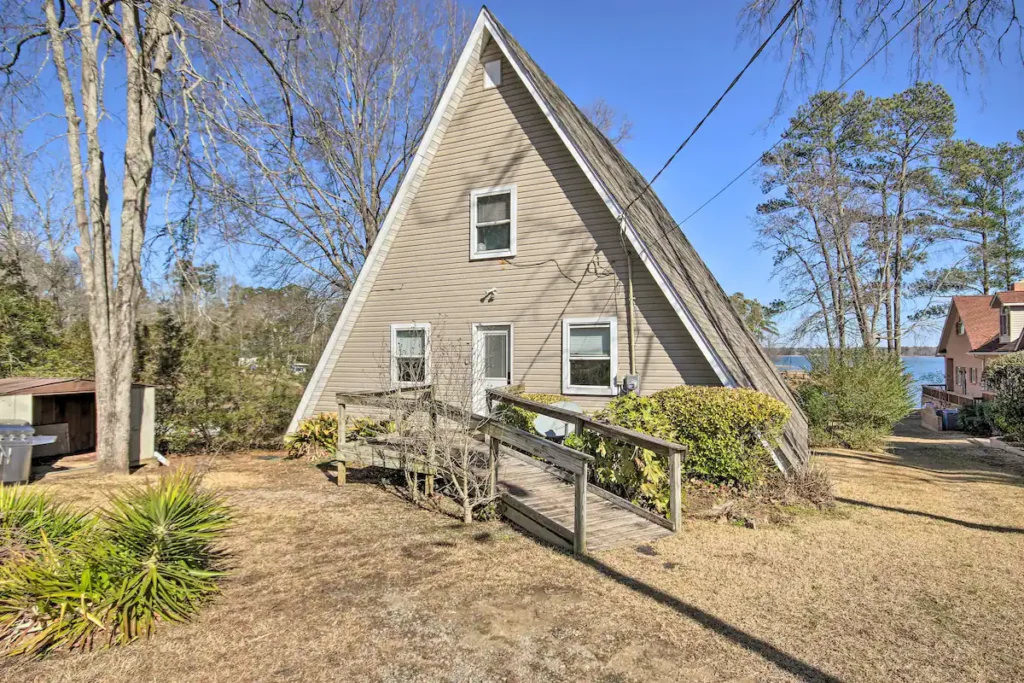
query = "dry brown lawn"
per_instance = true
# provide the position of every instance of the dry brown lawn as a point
(917, 576)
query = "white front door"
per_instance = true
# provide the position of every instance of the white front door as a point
(492, 361)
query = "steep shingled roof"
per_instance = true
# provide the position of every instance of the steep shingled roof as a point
(742, 356)
(981, 321)
(1004, 298)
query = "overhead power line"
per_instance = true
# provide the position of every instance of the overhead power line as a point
(806, 116)
(753, 58)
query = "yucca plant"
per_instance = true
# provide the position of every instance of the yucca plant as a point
(27, 517)
(54, 598)
(366, 427)
(151, 556)
(164, 539)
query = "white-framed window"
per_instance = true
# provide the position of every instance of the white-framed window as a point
(1004, 322)
(960, 330)
(590, 356)
(492, 222)
(410, 354)
(492, 74)
(974, 375)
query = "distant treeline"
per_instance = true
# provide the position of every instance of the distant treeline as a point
(775, 352)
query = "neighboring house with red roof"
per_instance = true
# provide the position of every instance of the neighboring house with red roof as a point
(977, 329)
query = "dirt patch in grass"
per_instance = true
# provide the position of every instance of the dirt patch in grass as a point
(915, 576)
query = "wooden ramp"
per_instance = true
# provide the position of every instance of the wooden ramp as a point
(540, 499)
(544, 486)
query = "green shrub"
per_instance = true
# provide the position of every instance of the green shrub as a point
(151, 556)
(316, 437)
(165, 556)
(978, 419)
(521, 418)
(366, 427)
(730, 434)
(855, 398)
(1005, 376)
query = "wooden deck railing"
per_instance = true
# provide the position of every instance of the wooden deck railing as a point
(673, 452)
(938, 392)
(557, 455)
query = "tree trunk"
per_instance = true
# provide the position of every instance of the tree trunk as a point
(985, 277)
(113, 303)
(113, 410)
(847, 257)
(835, 290)
(897, 262)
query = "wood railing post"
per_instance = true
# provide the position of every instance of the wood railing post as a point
(579, 537)
(495, 449)
(675, 495)
(338, 454)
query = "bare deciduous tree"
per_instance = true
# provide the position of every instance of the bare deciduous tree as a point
(310, 116)
(616, 126)
(434, 429)
(86, 42)
(36, 226)
(963, 33)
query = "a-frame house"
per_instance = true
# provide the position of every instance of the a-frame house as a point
(508, 233)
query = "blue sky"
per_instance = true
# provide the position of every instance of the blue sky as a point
(665, 63)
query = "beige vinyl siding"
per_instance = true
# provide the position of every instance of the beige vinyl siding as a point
(569, 260)
(1016, 322)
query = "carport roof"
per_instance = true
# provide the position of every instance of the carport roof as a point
(20, 386)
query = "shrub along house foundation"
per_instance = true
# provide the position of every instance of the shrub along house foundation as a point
(510, 235)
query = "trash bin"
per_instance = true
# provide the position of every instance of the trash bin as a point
(950, 419)
(16, 440)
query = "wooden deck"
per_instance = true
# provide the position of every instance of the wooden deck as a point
(545, 491)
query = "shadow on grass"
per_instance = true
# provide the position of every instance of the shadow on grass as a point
(751, 643)
(951, 520)
(947, 466)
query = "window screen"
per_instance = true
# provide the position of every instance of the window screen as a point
(493, 229)
(590, 361)
(410, 355)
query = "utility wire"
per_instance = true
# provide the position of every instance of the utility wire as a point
(786, 134)
(721, 97)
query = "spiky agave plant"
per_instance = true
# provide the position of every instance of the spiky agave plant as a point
(27, 517)
(167, 562)
(67, 581)
(53, 597)
(49, 593)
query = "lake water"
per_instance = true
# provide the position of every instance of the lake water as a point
(924, 370)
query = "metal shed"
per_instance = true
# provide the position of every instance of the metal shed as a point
(66, 408)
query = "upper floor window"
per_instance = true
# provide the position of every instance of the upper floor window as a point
(1004, 322)
(960, 327)
(493, 222)
(589, 356)
(410, 354)
(492, 74)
